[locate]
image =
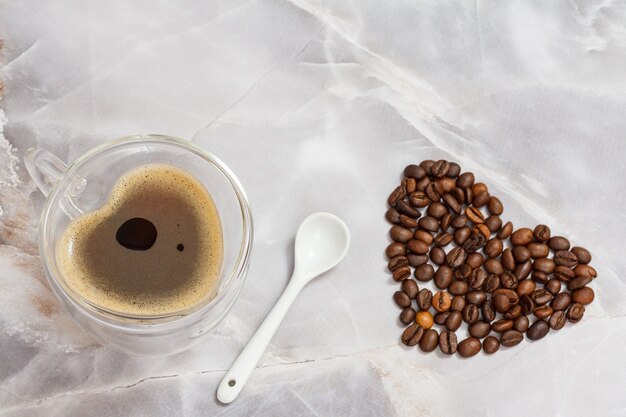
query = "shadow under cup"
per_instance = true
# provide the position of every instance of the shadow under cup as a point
(85, 187)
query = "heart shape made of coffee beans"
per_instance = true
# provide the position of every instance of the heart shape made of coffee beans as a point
(525, 281)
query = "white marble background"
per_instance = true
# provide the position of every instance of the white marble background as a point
(318, 105)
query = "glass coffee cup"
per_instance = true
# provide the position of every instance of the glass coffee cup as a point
(84, 186)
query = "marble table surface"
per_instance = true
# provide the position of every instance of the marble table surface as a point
(318, 105)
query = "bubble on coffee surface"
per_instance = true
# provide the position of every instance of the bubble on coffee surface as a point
(155, 247)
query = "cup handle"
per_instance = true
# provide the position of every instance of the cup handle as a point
(44, 168)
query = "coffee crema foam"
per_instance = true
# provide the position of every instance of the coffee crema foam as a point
(178, 271)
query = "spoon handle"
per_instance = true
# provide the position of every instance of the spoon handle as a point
(240, 371)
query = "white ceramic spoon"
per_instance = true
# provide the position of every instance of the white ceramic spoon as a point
(321, 243)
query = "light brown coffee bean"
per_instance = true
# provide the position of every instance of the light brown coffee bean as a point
(522, 236)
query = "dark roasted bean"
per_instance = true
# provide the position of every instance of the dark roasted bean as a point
(400, 234)
(582, 270)
(477, 279)
(459, 222)
(561, 301)
(489, 313)
(508, 280)
(395, 249)
(458, 302)
(578, 282)
(521, 324)
(575, 312)
(401, 299)
(443, 277)
(474, 242)
(424, 272)
(410, 288)
(456, 257)
(468, 347)
(493, 248)
(479, 188)
(447, 342)
(538, 330)
(553, 286)
(409, 184)
(408, 222)
(513, 313)
(454, 171)
(438, 256)
(479, 329)
(416, 260)
(421, 184)
(436, 210)
(407, 209)
(412, 334)
(419, 199)
(462, 273)
(527, 303)
(417, 246)
(544, 265)
(520, 254)
(522, 271)
(440, 318)
(424, 299)
(558, 243)
(466, 179)
(451, 202)
(414, 171)
(443, 239)
(558, 320)
(492, 283)
(474, 260)
(407, 315)
(392, 216)
(543, 312)
(470, 313)
(506, 231)
(539, 277)
(445, 221)
(502, 325)
(480, 200)
(491, 345)
(474, 215)
(511, 338)
(525, 287)
(501, 303)
(461, 235)
(522, 236)
(493, 223)
(495, 206)
(431, 192)
(538, 250)
(440, 168)
(564, 273)
(583, 296)
(401, 273)
(429, 340)
(396, 196)
(428, 223)
(397, 262)
(458, 288)
(541, 233)
(541, 296)
(454, 320)
(507, 259)
(582, 255)
(424, 236)
(565, 258)
(476, 297)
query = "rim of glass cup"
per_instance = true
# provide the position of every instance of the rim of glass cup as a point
(238, 272)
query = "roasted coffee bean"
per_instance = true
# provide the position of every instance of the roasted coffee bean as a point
(469, 195)
(424, 236)
(410, 288)
(408, 222)
(553, 286)
(447, 342)
(582, 270)
(558, 243)
(441, 301)
(397, 262)
(443, 277)
(474, 242)
(561, 301)
(416, 260)
(466, 179)
(501, 303)
(424, 272)
(493, 223)
(479, 329)
(543, 312)
(480, 200)
(437, 256)
(440, 318)
(502, 325)
(456, 257)
(408, 210)
(407, 315)
(392, 216)
(428, 223)
(458, 194)
(511, 338)
(409, 184)
(538, 250)
(474, 215)
(527, 303)
(443, 239)
(395, 249)
(474, 260)
(575, 312)
(414, 171)
(424, 299)
(400, 234)
(429, 340)
(489, 313)
(424, 319)
(582, 255)
(583, 296)
(513, 313)
(458, 302)
(513, 297)
(541, 233)
(476, 297)
(521, 324)
(541, 296)
(470, 313)
(417, 246)
(578, 282)
(469, 347)
(525, 287)
(436, 210)
(462, 273)
(477, 279)
(558, 320)
(508, 280)
(426, 164)
(565, 258)
(483, 230)
(479, 188)
(455, 170)
(494, 266)
(461, 235)
(445, 221)
(539, 277)
(492, 283)
(544, 265)
(396, 196)
(454, 320)
(412, 335)
(401, 299)
(495, 206)
(419, 199)
(440, 169)
(444, 185)
(458, 288)
(506, 231)
(538, 330)
(451, 202)
(421, 184)
(493, 248)
(564, 273)
(520, 254)
(507, 259)
(491, 345)
(401, 273)
(459, 222)
(431, 192)
(522, 271)
(522, 236)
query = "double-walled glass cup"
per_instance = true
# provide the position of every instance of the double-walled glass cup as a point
(84, 186)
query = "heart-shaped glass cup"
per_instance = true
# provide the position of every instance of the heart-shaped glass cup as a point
(85, 185)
